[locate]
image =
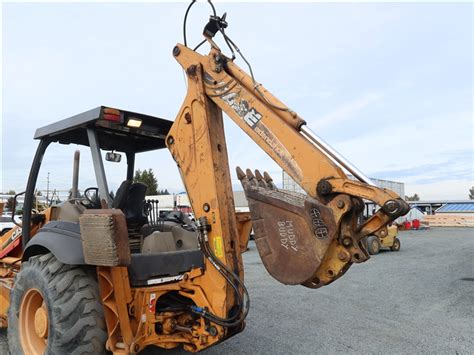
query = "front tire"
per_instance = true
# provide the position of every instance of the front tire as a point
(373, 245)
(55, 309)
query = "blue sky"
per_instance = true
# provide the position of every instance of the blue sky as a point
(389, 85)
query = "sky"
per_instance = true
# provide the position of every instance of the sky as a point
(388, 85)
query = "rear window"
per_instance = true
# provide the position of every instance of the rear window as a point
(5, 219)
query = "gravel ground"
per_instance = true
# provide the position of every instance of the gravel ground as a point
(419, 300)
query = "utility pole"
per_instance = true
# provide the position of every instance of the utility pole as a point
(47, 188)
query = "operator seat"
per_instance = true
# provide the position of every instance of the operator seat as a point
(130, 198)
(134, 206)
(121, 195)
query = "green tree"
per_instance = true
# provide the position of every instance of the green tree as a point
(471, 193)
(415, 197)
(163, 192)
(9, 204)
(148, 178)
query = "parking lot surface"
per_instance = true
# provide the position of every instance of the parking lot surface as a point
(417, 300)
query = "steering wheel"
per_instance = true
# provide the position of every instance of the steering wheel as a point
(91, 195)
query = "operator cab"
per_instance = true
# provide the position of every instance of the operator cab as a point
(163, 247)
(109, 129)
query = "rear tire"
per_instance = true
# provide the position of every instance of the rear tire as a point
(373, 245)
(68, 297)
(396, 245)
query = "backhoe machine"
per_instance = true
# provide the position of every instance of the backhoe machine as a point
(100, 273)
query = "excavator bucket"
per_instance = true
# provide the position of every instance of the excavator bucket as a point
(292, 231)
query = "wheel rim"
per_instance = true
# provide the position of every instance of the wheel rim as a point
(375, 246)
(397, 245)
(33, 322)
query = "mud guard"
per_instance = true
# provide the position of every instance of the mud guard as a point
(62, 239)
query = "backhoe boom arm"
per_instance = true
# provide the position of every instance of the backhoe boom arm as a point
(317, 234)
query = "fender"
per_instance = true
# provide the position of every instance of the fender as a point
(61, 238)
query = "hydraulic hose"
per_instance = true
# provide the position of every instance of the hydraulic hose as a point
(228, 275)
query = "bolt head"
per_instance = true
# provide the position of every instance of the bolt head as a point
(346, 242)
(213, 331)
(342, 256)
(176, 51)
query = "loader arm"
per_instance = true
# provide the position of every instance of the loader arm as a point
(310, 240)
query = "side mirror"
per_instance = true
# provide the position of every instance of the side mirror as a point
(15, 204)
(113, 157)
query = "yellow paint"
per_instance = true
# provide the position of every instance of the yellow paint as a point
(388, 241)
(218, 247)
(392, 231)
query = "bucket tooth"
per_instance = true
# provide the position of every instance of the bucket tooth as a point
(268, 179)
(240, 173)
(260, 181)
(250, 178)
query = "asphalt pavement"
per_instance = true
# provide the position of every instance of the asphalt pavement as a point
(417, 300)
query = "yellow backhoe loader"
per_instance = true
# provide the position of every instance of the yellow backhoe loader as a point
(97, 273)
(389, 241)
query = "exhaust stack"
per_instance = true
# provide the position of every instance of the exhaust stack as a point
(75, 175)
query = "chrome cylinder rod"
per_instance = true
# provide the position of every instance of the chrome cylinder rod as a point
(334, 155)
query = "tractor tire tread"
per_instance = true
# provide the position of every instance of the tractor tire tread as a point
(396, 245)
(73, 305)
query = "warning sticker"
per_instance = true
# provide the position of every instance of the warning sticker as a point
(218, 247)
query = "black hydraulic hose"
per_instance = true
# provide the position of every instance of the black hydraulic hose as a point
(225, 272)
(243, 307)
(213, 260)
(211, 257)
(200, 44)
(255, 84)
(232, 46)
(186, 19)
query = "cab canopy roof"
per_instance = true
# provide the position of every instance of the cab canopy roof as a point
(116, 129)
